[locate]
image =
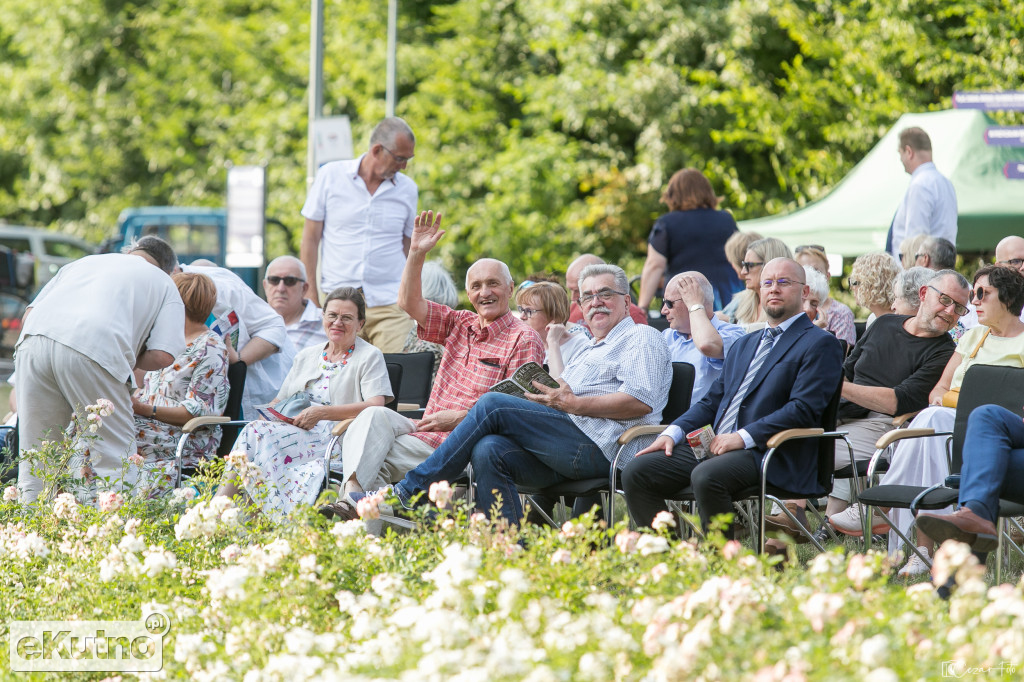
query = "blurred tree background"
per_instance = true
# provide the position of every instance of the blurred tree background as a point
(545, 127)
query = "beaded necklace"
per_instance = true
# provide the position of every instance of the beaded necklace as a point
(326, 364)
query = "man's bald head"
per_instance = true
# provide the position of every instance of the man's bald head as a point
(783, 302)
(572, 273)
(1010, 252)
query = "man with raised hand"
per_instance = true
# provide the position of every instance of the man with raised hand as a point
(782, 377)
(480, 349)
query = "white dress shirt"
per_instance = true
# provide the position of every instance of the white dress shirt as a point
(929, 206)
(362, 238)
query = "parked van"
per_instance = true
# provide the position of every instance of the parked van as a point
(40, 253)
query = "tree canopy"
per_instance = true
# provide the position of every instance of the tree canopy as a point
(545, 127)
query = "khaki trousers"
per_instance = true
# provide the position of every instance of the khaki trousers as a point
(387, 327)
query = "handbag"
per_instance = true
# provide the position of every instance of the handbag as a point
(952, 396)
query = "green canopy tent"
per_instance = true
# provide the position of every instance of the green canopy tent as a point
(854, 217)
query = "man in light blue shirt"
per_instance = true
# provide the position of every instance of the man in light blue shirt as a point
(695, 335)
(929, 206)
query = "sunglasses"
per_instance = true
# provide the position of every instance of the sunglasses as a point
(288, 281)
(669, 303)
(978, 294)
(946, 301)
(750, 265)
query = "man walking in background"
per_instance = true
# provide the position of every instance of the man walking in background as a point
(929, 206)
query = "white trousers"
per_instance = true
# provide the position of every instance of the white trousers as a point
(379, 449)
(54, 381)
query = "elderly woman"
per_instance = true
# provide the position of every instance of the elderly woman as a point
(194, 385)
(838, 317)
(545, 307)
(906, 289)
(871, 281)
(814, 301)
(691, 236)
(998, 340)
(343, 377)
(749, 310)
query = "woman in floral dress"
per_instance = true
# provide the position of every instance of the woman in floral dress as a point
(194, 385)
(280, 465)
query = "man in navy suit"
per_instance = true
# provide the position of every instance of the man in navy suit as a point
(781, 378)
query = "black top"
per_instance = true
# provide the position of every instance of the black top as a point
(695, 240)
(890, 356)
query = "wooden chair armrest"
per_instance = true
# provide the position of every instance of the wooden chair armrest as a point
(196, 422)
(901, 419)
(341, 427)
(899, 434)
(637, 431)
(408, 407)
(782, 436)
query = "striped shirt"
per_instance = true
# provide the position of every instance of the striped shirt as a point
(475, 358)
(633, 359)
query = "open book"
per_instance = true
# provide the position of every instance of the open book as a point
(521, 383)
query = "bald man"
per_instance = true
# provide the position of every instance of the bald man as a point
(572, 282)
(286, 286)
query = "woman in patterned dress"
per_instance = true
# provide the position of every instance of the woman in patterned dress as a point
(194, 385)
(280, 465)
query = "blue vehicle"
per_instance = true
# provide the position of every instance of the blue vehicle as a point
(194, 232)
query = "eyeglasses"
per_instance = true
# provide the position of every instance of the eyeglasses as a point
(918, 255)
(396, 157)
(670, 303)
(527, 313)
(783, 282)
(604, 295)
(748, 265)
(289, 281)
(946, 301)
(1015, 262)
(346, 320)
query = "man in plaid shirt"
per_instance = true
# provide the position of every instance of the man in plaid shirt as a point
(480, 349)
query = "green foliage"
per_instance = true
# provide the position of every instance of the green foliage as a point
(545, 128)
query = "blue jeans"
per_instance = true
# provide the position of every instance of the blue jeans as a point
(510, 441)
(993, 460)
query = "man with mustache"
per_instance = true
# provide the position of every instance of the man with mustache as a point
(480, 349)
(619, 380)
(776, 379)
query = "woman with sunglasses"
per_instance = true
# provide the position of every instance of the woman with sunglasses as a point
(545, 307)
(749, 310)
(998, 297)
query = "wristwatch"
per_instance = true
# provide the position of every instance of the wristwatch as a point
(696, 306)
(154, 410)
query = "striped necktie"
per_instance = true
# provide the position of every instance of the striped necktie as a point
(728, 422)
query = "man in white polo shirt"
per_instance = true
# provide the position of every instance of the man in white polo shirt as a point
(97, 320)
(359, 217)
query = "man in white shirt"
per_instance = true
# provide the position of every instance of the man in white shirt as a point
(262, 341)
(97, 320)
(359, 218)
(695, 334)
(286, 286)
(929, 206)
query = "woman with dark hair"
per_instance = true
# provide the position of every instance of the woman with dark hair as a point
(194, 385)
(342, 377)
(998, 339)
(691, 236)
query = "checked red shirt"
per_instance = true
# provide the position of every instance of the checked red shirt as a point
(475, 358)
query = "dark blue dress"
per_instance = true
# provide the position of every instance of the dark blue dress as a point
(695, 240)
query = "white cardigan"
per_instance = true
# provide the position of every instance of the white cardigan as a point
(365, 376)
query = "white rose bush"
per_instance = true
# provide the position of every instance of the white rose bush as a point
(462, 598)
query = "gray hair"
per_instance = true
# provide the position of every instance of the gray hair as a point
(941, 251)
(705, 286)
(908, 283)
(817, 282)
(157, 249)
(961, 281)
(291, 260)
(505, 272)
(387, 130)
(621, 281)
(438, 285)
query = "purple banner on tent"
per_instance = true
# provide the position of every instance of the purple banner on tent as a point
(1007, 136)
(1005, 100)
(1014, 170)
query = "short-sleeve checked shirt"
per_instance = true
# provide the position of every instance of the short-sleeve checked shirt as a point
(633, 359)
(475, 358)
(309, 330)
